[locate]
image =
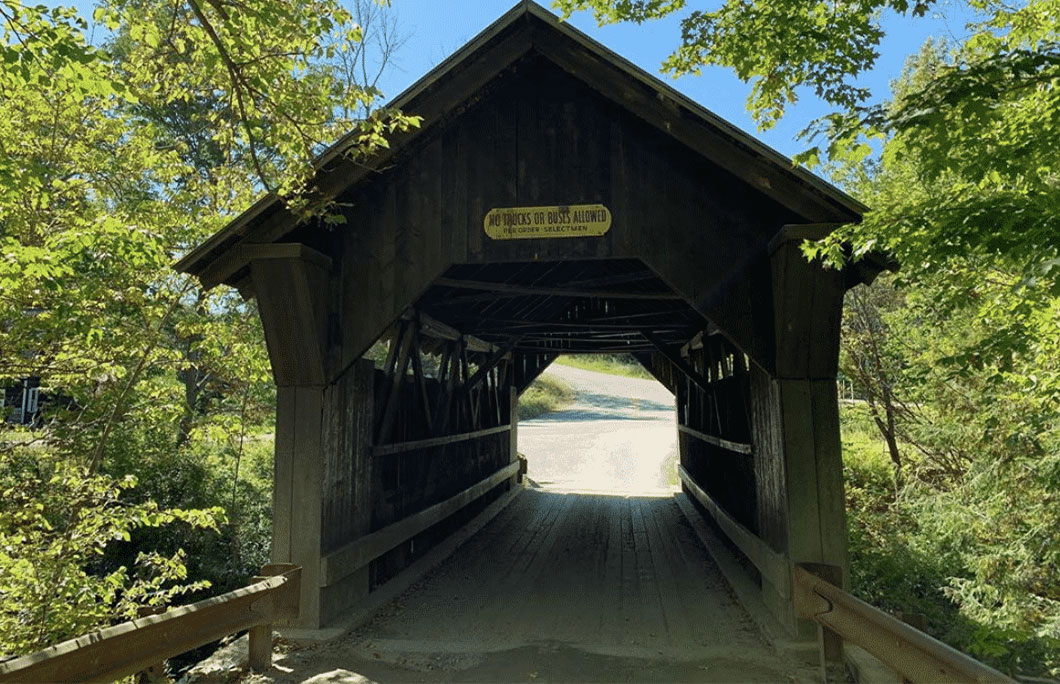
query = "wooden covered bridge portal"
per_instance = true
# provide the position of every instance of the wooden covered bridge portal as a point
(556, 199)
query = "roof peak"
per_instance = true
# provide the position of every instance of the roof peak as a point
(510, 38)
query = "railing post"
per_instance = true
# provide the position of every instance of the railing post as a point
(259, 638)
(259, 656)
(829, 643)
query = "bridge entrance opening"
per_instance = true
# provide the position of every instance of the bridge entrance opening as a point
(556, 200)
(614, 431)
(618, 433)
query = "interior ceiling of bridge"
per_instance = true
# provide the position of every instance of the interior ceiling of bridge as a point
(597, 306)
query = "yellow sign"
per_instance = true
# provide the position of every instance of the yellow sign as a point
(520, 223)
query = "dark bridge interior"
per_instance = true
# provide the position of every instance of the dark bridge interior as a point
(564, 307)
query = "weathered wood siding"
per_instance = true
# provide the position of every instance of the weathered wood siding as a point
(412, 480)
(768, 427)
(540, 137)
(720, 467)
(347, 457)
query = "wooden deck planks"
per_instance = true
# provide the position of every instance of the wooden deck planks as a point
(608, 574)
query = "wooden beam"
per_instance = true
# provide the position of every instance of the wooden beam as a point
(437, 329)
(125, 649)
(421, 380)
(693, 344)
(488, 365)
(528, 372)
(396, 380)
(656, 312)
(566, 337)
(645, 360)
(472, 405)
(614, 279)
(388, 449)
(354, 556)
(451, 373)
(602, 349)
(240, 256)
(681, 364)
(486, 324)
(774, 567)
(800, 232)
(736, 447)
(395, 344)
(292, 301)
(506, 289)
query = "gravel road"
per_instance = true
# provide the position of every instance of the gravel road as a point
(618, 436)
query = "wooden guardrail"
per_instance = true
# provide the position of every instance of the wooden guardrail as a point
(913, 654)
(388, 449)
(772, 565)
(736, 447)
(359, 553)
(134, 646)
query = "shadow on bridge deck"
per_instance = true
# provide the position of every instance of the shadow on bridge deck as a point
(560, 587)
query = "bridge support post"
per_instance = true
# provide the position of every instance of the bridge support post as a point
(513, 434)
(323, 484)
(322, 480)
(795, 416)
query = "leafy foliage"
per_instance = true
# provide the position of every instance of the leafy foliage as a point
(115, 159)
(545, 395)
(776, 45)
(55, 524)
(613, 364)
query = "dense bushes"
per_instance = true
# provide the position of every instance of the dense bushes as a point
(966, 530)
(57, 522)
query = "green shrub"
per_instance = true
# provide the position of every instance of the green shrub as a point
(613, 364)
(546, 395)
(973, 557)
(56, 523)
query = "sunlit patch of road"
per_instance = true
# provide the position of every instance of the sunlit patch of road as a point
(618, 436)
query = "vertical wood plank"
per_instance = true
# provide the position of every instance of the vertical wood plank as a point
(283, 475)
(453, 178)
(259, 648)
(829, 466)
(767, 431)
(804, 515)
(307, 509)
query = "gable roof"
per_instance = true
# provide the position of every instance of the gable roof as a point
(524, 29)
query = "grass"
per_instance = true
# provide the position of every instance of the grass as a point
(546, 395)
(862, 444)
(669, 468)
(612, 364)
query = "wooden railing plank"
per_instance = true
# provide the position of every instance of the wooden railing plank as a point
(357, 554)
(737, 447)
(130, 647)
(386, 449)
(773, 566)
(915, 655)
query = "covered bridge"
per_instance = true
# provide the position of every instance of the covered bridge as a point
(556, 200)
